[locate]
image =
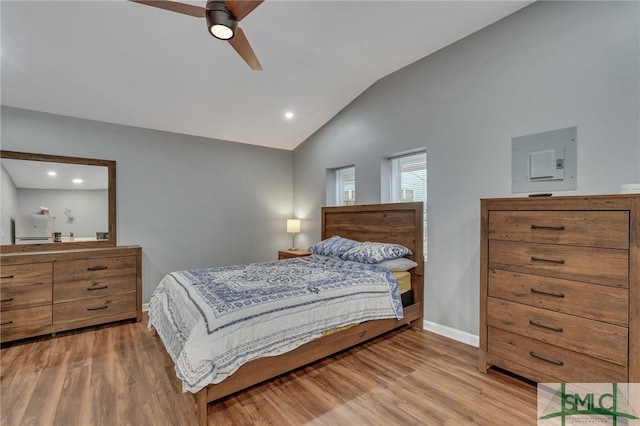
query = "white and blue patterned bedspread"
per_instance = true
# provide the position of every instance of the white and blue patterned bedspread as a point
(214, 320)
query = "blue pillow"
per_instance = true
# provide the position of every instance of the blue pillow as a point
(334, 246)
(375, 252)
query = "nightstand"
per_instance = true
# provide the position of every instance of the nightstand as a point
(290, 254)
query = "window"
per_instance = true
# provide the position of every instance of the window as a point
(409, 182)
(346, 186)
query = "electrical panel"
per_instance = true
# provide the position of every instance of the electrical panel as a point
(545, 162)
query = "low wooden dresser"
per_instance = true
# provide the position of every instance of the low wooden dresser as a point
(47, 292)
(560, 287)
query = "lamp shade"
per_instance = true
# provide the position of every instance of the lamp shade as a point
(293, 225)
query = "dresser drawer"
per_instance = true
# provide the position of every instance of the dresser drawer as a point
(608, 229)
(20, 323)
(67, 291)
(563, 364)
(25, 296)
(119, 306)
(600, 340)
(76, 280)
(592, 265)
(23, 286)
(25, 275)
(569, 297)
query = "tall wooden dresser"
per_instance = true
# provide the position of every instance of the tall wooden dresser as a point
(47, 292)
(560, 287)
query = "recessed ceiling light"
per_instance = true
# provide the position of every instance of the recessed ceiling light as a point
(77, 181)
(52, 173)
(288, 115)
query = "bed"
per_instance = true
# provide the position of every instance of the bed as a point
(399, 224)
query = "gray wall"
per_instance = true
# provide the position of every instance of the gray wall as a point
(551, 65)
(189, 202)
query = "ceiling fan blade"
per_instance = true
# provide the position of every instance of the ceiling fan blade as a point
(173, 6)
(241, 8)
(240, 43)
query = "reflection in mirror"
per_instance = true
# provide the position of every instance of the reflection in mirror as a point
(52, 202)
(69, 199)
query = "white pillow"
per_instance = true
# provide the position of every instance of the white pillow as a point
(399, 264)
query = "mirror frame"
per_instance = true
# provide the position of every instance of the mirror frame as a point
(111, 167)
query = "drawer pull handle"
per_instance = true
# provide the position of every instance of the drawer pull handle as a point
(6, 322)
(548, 327)
(555, 228)
(542, 259)
(547, 293)
(8, 299)
(97, 268)
(544, 358)
(98, 308)
(5, 277)
(97, 288)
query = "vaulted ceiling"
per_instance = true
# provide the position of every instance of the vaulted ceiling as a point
(131, 64)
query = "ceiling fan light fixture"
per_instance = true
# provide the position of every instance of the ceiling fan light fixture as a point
(220, 21)
(222, 18)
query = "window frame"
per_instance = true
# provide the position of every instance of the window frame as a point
(340, 181)
(396, 187)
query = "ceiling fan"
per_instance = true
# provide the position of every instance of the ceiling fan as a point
(222, 21)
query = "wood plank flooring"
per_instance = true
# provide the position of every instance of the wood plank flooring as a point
(121, 375)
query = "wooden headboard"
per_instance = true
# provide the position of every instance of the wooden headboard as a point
(398, 223)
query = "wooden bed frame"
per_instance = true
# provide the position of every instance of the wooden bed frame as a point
(399, 223)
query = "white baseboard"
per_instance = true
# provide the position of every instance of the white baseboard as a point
(145, 307)
(452, 333)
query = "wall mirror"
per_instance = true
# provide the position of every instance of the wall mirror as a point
(51, 202)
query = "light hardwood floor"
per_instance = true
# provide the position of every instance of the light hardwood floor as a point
(121, 375)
